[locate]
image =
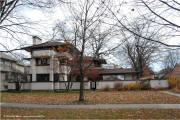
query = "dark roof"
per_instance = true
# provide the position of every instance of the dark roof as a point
(44, 45)
(101, 60)
(48, 44)
(6, 57)
(118, 71)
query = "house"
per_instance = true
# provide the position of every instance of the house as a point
(54, 66)
(174, 73)
(11, 70)
(53, 62)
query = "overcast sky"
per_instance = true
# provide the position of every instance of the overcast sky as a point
(47, 19)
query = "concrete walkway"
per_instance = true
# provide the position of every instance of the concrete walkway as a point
(98, 106)
(171, 93)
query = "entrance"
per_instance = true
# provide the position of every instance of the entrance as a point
(17, 86)
(93, 85)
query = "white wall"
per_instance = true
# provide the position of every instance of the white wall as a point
(40, 53)
(99, 85)
(112, 77)
(11, 86)
(3, 82)
(42, 69)
(42, 86)
(18, 67)
(26, 86)
(48, 86)
(75, 85)
(103, 84)
(159, 84)
(155, 84)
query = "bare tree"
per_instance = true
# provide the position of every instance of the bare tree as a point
(86, 17)
(162, 17)
(169, 24)
(6, 7)
(170, 60)
(65, 71)
(101, 40)
(138, 51)
(86, 35)
(14, 26)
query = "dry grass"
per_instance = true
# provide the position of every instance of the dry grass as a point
(175, 90)
(91, 113)
(111, 97)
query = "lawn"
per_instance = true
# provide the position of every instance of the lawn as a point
(90, 114)
(112, 97)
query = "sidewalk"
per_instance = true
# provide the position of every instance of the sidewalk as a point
(98, 106)
(171, 93)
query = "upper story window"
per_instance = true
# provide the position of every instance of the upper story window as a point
(42, 61)
(5, 63)
(1, 62)
(63, 60)
(8, 64)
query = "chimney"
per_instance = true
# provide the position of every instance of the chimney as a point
(36, 40)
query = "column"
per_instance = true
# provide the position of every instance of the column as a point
(51, 77)
(33, 71)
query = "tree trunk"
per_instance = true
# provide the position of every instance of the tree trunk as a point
(81, 95)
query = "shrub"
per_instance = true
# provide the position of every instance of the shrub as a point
(174, 82)
(106, 88)
(144, 85)
(140, 86)
(118, 86)
(176, 90)
(178, 84)
(131, 86)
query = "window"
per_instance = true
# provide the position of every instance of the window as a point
(29, 77)
(78, 79)
(63, 60)
(56, 77)
(128, 77)
(7, 64)
(7, 76)
(1, 62)
(42, 61)
(42, 77)
(120, 77)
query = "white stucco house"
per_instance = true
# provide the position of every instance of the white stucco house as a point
(49, 69)
(11, 70)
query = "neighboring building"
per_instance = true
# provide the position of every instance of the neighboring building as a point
(119, 74)
(159, 75)
(174, 73)
(10, 71)
(125, 74)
